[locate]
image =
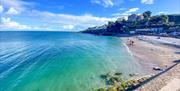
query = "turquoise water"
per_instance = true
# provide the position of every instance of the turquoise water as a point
(60, 61)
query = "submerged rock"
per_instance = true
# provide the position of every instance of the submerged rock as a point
(116, 83)
(103, 76)
(118, 73)
(133, 74)
(114, 80)
(101, 89)
(106, 76)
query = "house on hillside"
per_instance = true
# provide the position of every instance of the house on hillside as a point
(150, 30)
(174, 31)
(140, 17)
(132, 17)
(135, 17)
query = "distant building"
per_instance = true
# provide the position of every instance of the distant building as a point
(135, 17)
(175, 33)
(140, 17)
(132, 32)
(149, 30)
(132, 17)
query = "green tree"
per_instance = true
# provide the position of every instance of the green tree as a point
(164, 19)
(124, 20)
(147, 14)
(110, 23)
(125, 28)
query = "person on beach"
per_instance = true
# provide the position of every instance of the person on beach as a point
(131, 42)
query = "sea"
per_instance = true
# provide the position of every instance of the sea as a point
(60, 61)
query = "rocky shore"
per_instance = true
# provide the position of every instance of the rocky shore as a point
(115, 82)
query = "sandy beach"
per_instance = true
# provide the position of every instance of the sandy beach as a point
(151, 51)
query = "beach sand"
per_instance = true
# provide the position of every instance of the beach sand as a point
(150, 52)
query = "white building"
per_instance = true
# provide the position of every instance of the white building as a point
(132, 17)
(150, 29)
(140, 17)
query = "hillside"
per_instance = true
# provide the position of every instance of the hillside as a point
(142, 21)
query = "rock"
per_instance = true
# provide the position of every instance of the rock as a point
(134, 74)
(131, 83)
(112, 81)
(106, 76)
(118, 73)
(124, 85)
(140, 80)
(112, 89)
(157, 68)
(120, 88)
(103, 76)
(101, 89)
(131, 75)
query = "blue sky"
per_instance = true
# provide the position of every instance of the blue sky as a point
(74, 15)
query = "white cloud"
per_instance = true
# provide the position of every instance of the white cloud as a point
(1, 9)
(7, 23)
(12, 11)
(54, 21)
(126, 13)
(57, 20)
(147, 1)
(121, 15)
(68, 27)
(132, 10)
(18, 5)
(105, 3)
(49, 21)
(35, 19)
(161, 13)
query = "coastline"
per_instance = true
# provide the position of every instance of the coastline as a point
(151, 52)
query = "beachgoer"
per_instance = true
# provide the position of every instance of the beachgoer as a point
(132, 42)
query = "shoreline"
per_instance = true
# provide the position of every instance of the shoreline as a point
(152, 52)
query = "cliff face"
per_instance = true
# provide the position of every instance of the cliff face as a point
(110, 29)
(96, 30)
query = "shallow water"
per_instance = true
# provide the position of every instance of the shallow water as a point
(60, 61)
